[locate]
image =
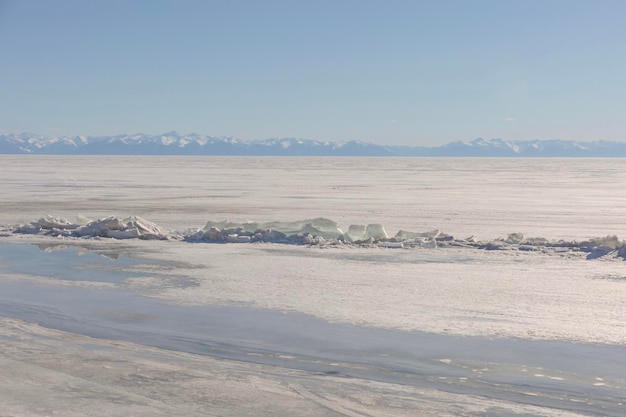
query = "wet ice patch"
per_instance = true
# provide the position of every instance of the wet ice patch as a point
(68, 263)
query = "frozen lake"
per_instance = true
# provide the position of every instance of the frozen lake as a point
(487, 198)
(345, 329)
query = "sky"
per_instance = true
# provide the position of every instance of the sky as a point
(419, 73)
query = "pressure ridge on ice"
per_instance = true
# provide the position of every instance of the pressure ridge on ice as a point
(319, 232)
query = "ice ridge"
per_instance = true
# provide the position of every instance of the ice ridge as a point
(317, 232)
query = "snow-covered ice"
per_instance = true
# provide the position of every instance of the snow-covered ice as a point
(489, 248)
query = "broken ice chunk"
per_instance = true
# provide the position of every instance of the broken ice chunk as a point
(376, 231)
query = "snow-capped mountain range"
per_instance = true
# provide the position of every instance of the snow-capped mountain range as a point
(194, 144)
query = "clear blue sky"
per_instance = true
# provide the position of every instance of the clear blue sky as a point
(396, 72)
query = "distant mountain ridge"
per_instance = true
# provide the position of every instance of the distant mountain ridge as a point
(172, 143)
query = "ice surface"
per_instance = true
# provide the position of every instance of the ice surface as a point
(569, 199)
(526, 249)
(370, 286)
(53, 372)
(483, 247)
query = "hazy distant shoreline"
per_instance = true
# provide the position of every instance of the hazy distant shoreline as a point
(202, 145)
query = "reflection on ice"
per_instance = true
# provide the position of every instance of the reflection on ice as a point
(77, 263)
(318, 231)
(56, 247)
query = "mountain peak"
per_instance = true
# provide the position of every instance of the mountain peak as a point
(171, 143)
